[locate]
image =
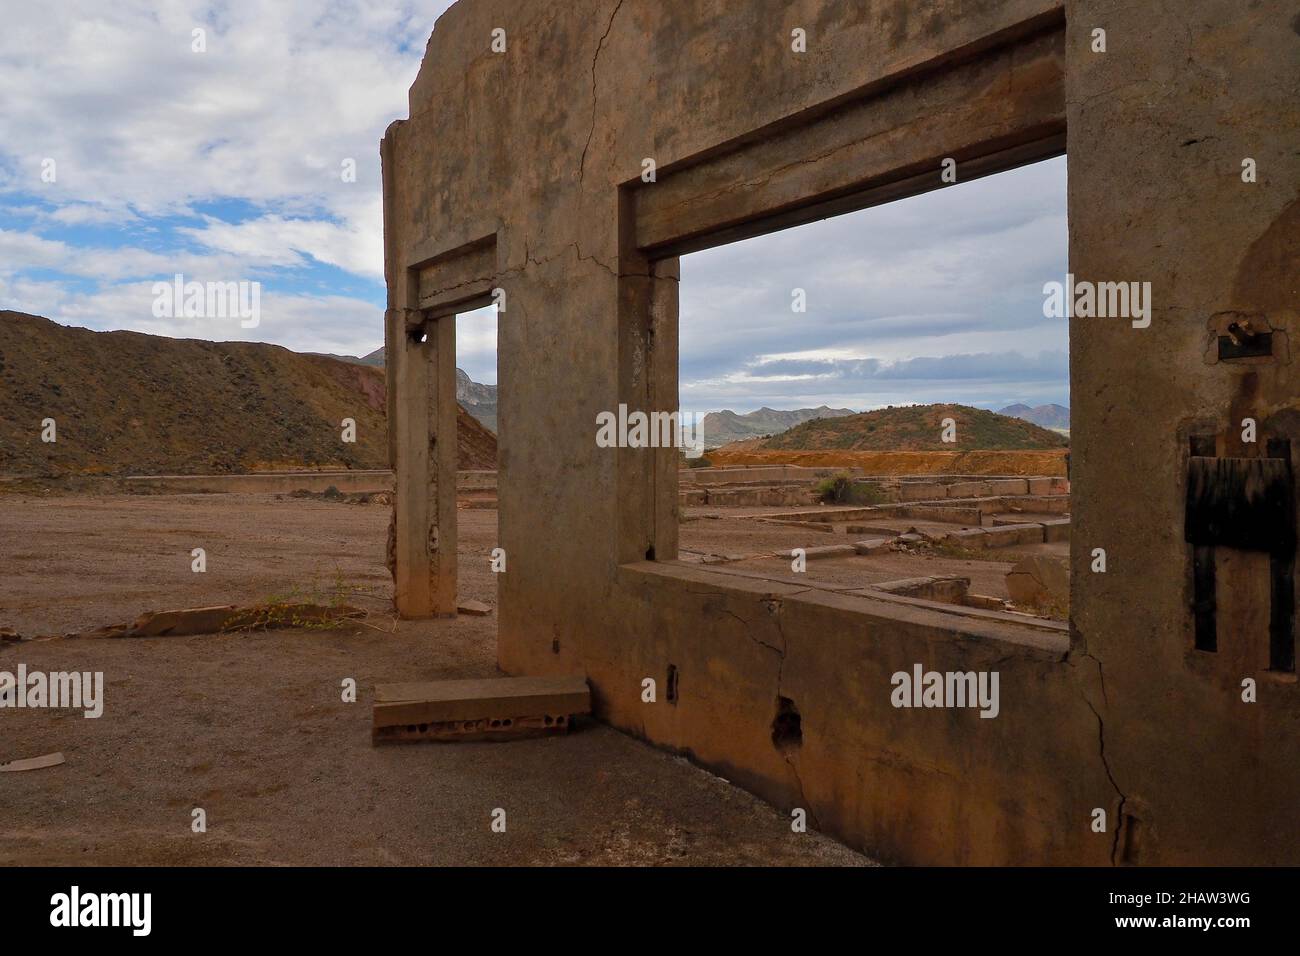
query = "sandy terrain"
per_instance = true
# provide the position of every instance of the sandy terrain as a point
(252, 728)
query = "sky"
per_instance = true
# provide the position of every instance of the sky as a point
(128, 156)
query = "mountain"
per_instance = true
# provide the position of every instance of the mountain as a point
(479, 400)
(1048, 416)
(721, 428)
(128, 403)
(915, 428)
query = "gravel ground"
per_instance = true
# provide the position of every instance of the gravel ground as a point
(252, 728)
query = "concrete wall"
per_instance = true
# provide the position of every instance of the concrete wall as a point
(520, 171)
(1159, 127)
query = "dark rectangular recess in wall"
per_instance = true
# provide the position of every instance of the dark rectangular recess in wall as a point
(1204, 600)
(1281, 621)
(1243, 503)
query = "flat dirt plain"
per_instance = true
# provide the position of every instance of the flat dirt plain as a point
(252, 728)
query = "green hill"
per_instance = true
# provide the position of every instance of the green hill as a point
(916, 428)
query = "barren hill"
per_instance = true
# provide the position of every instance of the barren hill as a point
(915, 428)
(128, 403)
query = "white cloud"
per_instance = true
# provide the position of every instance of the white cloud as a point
(274, 240)
(285, 92)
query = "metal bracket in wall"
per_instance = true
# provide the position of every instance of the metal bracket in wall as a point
(1245, 337)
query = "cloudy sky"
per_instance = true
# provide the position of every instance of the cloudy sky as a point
(228, 164)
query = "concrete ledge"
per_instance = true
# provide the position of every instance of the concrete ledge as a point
(1011, 535)
(872, 546)
(945, 588)
(1035, 638)
(827, 551)
(1056, 530)
(969, 489)
(1009, 486)
(967, 538)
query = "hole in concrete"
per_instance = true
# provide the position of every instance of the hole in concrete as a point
(555, 645)
(787, 727)
(650, 553)
(1131, 839)
(671, 684)
(419, 335)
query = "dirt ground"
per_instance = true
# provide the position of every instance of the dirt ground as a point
(252, 727)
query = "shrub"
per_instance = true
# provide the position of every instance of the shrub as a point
(844, 490)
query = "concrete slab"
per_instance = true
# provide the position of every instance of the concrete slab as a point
(1014, 534)
(507, 706)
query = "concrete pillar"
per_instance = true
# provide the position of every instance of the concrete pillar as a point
(648, 358)
(424, 500)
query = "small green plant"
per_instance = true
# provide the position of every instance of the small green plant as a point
(845, 490)
(833, 490)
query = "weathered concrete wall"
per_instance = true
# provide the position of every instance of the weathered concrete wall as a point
(541, 149)
(1159, 126)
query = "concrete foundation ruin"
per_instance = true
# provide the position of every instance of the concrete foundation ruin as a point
(1169, 711)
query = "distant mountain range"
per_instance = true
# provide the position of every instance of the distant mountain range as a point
(479, 400)
(1046, 416)
(726, 426)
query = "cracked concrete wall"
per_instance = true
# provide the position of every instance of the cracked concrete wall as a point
(533, 145)
(1159, 126)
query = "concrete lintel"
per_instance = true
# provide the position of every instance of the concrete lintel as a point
(873, 151)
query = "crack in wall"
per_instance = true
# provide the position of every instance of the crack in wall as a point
(582, 166)
(774, 607)
(1123, 798)
(1101, 739)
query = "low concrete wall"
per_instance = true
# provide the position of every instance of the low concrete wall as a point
(744, 473)
(284, 482)
(938, 786)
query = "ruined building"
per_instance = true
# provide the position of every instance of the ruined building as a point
(1170, 703)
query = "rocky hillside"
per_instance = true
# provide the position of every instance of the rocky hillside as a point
(915, 428)
(127, 403)
(726, 426)
(1048, 416)
(479, 400)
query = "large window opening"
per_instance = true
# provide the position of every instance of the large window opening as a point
(478, 437)
(885, 400)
